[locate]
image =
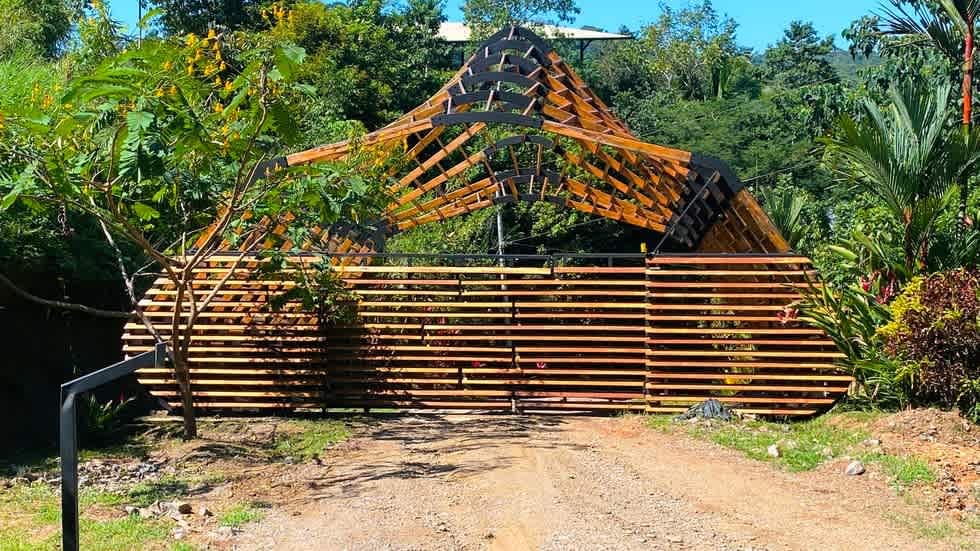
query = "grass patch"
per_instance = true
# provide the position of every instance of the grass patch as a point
(129, 532)
(802, 445)
(308, 438)
(30, 518)
(165, 489)
(904, 471)
(660, 422)
(240, 514)
(17, 540)
(929, 529)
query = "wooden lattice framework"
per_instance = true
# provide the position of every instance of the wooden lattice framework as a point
(517, 124)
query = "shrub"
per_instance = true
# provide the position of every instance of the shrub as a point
(851, 317)
(935, 332)
(101, 422)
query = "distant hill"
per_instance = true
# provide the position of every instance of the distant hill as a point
(848, 67)
(842, 62)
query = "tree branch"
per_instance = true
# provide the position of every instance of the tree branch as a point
(61, 304)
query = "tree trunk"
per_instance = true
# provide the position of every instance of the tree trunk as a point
(967, 112)
(183, 376)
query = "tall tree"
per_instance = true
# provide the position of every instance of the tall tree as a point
(905, 156)
(359, 63)
(197, 16)
(800, 57)
(486, 16)
(162, 141)
(950, 28)
(40, 26)
(688, 53)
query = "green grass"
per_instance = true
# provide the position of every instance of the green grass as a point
(802, 445)
(240, 514)
(129, 532)
(805, 445)
(165, 489)
(903, 471)
(308, 438)
(30, 517)
(938, 530)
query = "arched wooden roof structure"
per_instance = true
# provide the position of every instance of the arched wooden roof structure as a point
(517, 123)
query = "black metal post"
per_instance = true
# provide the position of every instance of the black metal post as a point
(69, 472)
(69, 432)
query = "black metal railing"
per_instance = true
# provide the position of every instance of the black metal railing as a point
(69, 432)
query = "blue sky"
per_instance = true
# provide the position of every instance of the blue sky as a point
(761, 22)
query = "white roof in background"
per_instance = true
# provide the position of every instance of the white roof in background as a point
(455, 31)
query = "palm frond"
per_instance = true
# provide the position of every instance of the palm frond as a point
(785, 209)
(919, 26)
(962, 12)
(907, 155)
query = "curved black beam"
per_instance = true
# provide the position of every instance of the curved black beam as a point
(479, 79)
(519, 45)
(518, 33)
(543, 141)
(487, 117)
(510, 100)
(526, 66)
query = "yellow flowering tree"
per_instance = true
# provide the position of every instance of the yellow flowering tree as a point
(169, 138)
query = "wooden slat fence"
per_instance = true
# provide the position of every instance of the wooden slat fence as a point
(653, 334)
(718, 326)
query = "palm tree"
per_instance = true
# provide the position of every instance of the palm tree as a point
(907, 157)
(785, 210)
(950, 30)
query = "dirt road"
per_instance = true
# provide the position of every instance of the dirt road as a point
(508, 482)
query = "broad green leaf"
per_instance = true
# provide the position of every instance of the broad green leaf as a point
(9, 199)
(139, 120)
(845, 253)
(145, 212)
(288, 59)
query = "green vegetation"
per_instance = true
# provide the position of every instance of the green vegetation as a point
(307, 439)
(30, 517)
(805, 445)
(240, 514)
(904, 471)
(802, 446)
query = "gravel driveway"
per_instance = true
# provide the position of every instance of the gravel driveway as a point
(535, 482)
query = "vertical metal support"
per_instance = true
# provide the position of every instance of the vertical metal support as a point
(69, 432)
(69, 472)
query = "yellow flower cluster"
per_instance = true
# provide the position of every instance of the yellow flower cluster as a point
(276, 12)
(206, 49)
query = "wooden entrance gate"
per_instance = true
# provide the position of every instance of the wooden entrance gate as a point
(516, 123)
(627, 332)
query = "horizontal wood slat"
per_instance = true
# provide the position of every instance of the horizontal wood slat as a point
(562, 338)
(717, 327)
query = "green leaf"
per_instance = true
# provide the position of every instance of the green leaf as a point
(283, 120)
(358, 186)
(9, 199)
(139, 120)
(844, 253)
(145, 212)
(306, 89)
(288, 59)
(144, 22)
